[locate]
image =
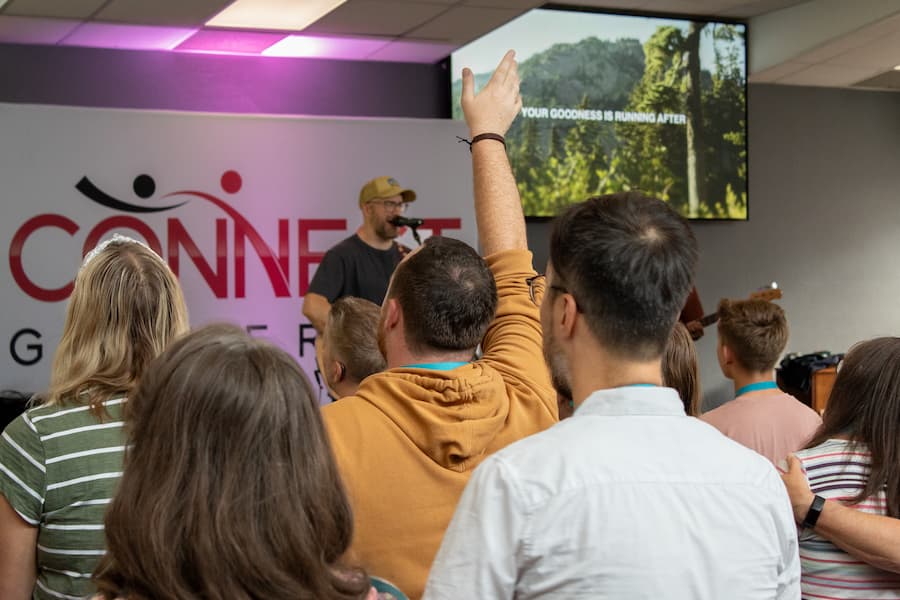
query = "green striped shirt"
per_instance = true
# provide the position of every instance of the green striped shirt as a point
(59, 467)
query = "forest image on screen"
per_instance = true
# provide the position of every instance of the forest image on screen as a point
(619, 102)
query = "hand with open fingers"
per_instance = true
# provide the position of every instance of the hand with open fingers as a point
(494, 108)
(797, 487)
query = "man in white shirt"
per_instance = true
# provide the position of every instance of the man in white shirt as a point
(629, 498)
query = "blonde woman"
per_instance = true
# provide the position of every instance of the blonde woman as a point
(61, 462)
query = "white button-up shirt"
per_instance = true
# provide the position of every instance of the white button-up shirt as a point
(628, 499)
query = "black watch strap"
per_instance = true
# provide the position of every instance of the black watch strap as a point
(815, 509)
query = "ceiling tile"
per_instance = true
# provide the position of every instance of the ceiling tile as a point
(885, 81)
(127, 37)
(878, 54)
(413, 51)
(522, 5)
(184, 13)
(464, 23)
(230, 41)
(825, 75)
(746, 10)
(612, 5)
(60, 9)
(342, 48)
(377, 17)
(777, 72)
(25, 30)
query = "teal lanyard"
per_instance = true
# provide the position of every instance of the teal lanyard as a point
(438, 366)
(755, 387)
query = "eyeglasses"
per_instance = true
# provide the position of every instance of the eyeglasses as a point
(531, 281)
(392, 205)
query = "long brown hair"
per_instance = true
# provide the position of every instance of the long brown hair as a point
(865, 406)
(680, 369)
(126, 307)
(230, 490)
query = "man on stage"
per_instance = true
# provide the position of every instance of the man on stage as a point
(362, 264)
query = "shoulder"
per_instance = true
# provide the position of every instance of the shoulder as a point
(48, 420)
(832, 449)
(720, 413)
(347, 246)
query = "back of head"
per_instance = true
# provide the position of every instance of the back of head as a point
(447, 294)
(680, 369)
(629, 261)
(126, 307)
(865, 405)
(230, 490)
(351, 336)
(755, 330)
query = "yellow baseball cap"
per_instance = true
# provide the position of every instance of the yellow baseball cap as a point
(384, 187)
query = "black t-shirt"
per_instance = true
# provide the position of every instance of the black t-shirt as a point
(354, 268)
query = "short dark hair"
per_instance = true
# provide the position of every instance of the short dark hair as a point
(629, 261)
(352, 336)
(755, 330)
(447, 294)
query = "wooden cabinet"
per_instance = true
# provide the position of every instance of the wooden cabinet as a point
(820, 387)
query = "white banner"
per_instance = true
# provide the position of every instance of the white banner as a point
(242, 208)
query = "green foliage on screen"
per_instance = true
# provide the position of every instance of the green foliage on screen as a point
(558, 162)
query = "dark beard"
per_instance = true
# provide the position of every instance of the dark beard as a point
(557, 376)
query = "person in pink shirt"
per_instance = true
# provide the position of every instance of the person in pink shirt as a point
(752, 336)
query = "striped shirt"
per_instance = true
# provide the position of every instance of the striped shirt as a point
(838, 470)
(59, 466)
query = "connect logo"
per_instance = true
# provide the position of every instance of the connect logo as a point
(224, 272)
(284, 259)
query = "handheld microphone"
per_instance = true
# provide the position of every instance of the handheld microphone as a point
(404, 222)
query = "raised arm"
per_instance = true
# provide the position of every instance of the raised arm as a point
(498, 209)
(874, 539)
(316, 308)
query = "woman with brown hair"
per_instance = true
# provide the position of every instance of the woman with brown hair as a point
(230, 490)
(60, 462)
(680, 369)
(854, 458)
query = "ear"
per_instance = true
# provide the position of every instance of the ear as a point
(335, 372)
(569, 315)
(393, 315)
(727, 354)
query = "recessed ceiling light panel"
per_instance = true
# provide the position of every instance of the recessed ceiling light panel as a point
(287, 15)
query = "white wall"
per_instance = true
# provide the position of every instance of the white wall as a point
(824, 221)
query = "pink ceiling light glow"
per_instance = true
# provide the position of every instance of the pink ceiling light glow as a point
(325, 47)
(219, 41)
(126, 37)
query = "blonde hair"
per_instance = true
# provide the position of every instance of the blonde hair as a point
(126, 307)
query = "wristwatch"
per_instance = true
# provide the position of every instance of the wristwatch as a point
(815, 509)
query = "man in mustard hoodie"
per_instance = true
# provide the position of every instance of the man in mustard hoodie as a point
(408, 441)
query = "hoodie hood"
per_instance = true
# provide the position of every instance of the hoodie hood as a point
(451, 416)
